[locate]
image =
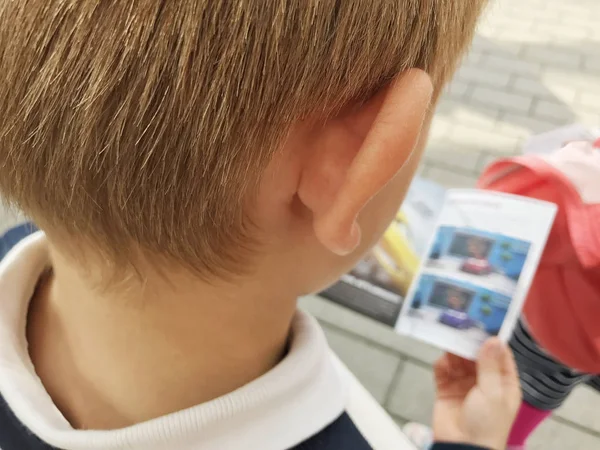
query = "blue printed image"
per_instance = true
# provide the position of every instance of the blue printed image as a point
(461, 305)
(494, 258)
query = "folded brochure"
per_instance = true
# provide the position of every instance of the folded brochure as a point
(477, 270)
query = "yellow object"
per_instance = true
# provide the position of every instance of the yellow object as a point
(396, 255)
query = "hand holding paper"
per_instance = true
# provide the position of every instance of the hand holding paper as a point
(476, 402)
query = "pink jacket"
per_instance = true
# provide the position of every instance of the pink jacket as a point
(563, 306)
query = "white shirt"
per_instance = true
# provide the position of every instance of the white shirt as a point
(308, 390)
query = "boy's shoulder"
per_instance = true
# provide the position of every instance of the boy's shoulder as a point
(355, 422)
(14, 235)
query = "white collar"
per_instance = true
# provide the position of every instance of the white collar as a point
(282, 408)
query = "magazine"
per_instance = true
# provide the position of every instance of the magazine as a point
(478, 268)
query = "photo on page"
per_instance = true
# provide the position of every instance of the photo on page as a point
(478, 268)
(467, 310)
(491, 259)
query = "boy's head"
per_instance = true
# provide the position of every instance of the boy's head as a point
(224, 137)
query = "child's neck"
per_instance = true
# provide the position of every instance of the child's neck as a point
(112, 359)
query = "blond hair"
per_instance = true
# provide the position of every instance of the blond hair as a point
(146, 124)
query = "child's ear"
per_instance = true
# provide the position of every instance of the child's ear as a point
(357, 153)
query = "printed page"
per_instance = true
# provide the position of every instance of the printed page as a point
(475, 275)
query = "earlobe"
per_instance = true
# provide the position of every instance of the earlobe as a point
(391, 134)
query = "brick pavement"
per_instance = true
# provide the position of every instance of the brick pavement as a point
(534, 65)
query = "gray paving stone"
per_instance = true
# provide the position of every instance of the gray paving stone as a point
(592, 65)
(483, 45)
(582, 408)
(532, 11)
(524, 37)
(512, 65)
(577, 8)
(584, 82)
(553, 57)
(482, 118)
(508, 101)
(374, 367)
(590, 100)
(8, 218)
(440, 127)
(562, 32)
(477, 139)
(589, 48)
(413, 394)
(578, 22)
(421, 169)
(449, 154)
(474, 56)
(399, 420)
(424, 168)
(533, 124)
(549, 91)
(555, 435)
(449, 178)
(514, 129)
(588, 118)
(458, 89)
(559, 113)
(483, 76)
(504, 21)
(485, 160)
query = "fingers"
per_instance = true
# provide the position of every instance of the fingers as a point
(441, 371)
(511, 378)
(460, 366)
(451, 369)
(495, 368)
(509, 365)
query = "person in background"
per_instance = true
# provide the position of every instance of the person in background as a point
(556, 342)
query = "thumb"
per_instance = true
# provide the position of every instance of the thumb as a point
(492, 367)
